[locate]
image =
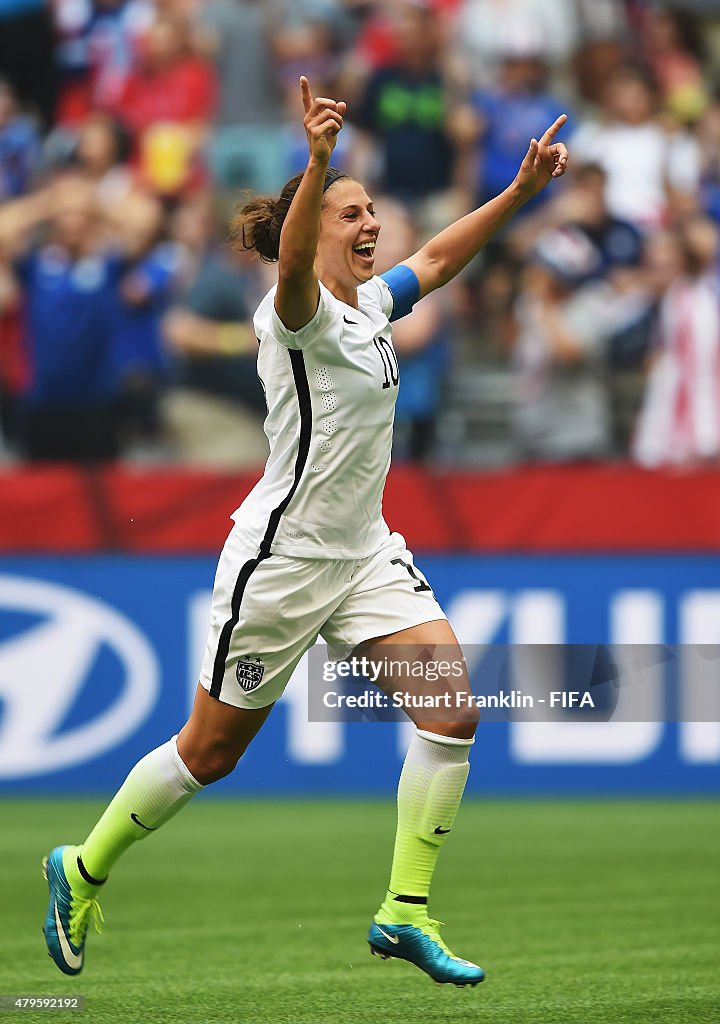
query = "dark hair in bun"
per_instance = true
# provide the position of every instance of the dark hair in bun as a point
(258, 223)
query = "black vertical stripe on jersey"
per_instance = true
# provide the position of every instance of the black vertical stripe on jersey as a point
(302, 387)
(297, 362)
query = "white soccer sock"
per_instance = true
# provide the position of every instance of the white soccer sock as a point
(429, 792)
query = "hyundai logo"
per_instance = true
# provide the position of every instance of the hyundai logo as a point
(43, 669)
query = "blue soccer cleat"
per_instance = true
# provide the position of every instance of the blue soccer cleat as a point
(423, 946)
(68, 916)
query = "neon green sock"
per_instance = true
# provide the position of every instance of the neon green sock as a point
(155, 790)
(429, 793)
(79, 886)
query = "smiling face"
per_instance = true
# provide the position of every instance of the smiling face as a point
(348, 232)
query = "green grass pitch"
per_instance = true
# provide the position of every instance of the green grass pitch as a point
(256, 912)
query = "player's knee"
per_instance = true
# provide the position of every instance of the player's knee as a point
(462, 727)
(212, 761)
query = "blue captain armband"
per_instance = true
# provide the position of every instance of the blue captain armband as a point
(404, 288)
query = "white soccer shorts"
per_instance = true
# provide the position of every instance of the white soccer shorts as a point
(266, 612)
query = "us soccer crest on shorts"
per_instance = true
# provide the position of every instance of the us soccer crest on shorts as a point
(249, 672)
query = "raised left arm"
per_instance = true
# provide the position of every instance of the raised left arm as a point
(445, 255)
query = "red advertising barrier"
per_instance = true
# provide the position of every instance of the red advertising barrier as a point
(542, 509)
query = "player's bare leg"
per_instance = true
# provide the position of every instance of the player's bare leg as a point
(216, 735)
(429, 792)
(207, 748)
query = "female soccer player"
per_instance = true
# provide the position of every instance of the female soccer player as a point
(310, 552)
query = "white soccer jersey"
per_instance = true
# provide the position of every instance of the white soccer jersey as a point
(331, 390)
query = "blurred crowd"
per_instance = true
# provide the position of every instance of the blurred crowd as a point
(589, 329)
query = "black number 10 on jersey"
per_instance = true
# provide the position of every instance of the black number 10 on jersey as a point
(389, 361)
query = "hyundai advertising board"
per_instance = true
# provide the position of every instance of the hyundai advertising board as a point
(99, 659)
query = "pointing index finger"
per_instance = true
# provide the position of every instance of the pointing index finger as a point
(553, 130)
(306, 94)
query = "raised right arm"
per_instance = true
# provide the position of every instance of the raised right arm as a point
(298, 291)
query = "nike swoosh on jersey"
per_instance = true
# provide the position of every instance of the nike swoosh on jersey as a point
(391, 938)
(441, 831)
(71, 959)
(350, 321)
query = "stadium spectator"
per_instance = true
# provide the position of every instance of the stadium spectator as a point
(564, 321)
(101, 149)
(245, 150)
(583, 206)
(405, 111)
(645, 161)
(98, 42)
(604, 31)
(237, 35)
(150, 270)
(617, 241)
(619, 246)
(167, 103)
(69, 286)
(115, 35)
(19, 147)
(674, 50)
(72, 61)
(679, 423)
(308, 43)
(708, 134)
(488, 30)
(506, 115)
(14, 367)
(216, 405)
